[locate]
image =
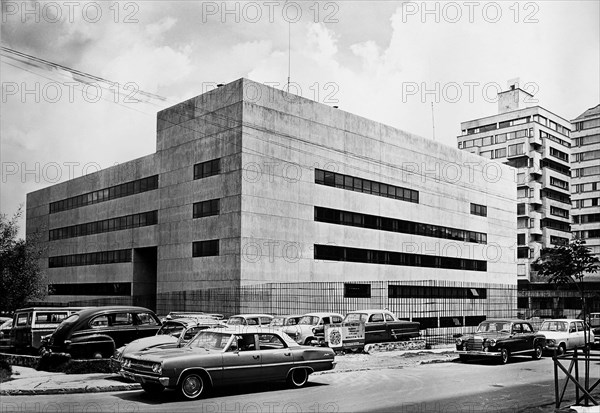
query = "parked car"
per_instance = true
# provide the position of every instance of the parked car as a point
(225, 356)
(564, 334)
(285, 320)
(383, 325)
(97, 331)
(502, 339)
(595, 325)
(249, 320)
(32, 323)
(5, 328)
(310, 328)
(172, 333)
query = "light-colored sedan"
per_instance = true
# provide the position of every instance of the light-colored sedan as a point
(564, 334)
(310, 328)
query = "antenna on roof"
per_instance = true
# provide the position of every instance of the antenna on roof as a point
(432, 121)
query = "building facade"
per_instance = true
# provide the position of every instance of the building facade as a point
(585, 186)
(537, 144)
(251, 186)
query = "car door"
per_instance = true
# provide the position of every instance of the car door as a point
(146, 325)
(276, 357)
(519, 340)
(122, 328)
(528, 335)
(580, 335)
(242, 363)
(375, 330)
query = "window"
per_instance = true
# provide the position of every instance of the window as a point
(559, 154)
(592, 170)
(113, 224)
(520, 239)
(208, 168)
(102, 289)
(559, 212)
(410, 291)
(351, 183)
(588, 140)
(122, 319)
(99, 322)
(206, 208)
(501, 138)
(477, 209)
(558, 240)
(514, 150)
(357, 290)
(147, 320)
(93, 258)
(500, 153)
(487, 154)
(205, 248)
(129, 188)
(559, 183)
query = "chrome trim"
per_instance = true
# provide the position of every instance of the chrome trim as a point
(479, 353)
(196, 368)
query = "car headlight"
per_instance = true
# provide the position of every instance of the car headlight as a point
(551, 341)
(157, 368)
(126, 363)
(492, 343)
(459, 341)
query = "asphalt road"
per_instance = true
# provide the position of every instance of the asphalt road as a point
(524, 385)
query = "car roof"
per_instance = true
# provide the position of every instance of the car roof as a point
(188, 321)
(370, 310)
(252, 315)
(112, 309)
(241, 330)
(289, 316)
(505, 320)
(324, 314)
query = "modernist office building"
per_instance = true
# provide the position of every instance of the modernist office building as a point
(537, 143)
(251, 186)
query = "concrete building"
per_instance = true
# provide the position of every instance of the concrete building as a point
(585, 184)
(252, 186)
(537, 143)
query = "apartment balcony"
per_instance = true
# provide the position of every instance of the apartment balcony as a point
(536, 227)
(535, 140)
(551, 179)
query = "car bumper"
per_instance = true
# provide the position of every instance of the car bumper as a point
(144, 378)
(479, 353)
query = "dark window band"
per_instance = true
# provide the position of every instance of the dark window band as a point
(109, 289)
(107, 225)
(334, 253)
(91, 258)
(208, 168)
(477, 209)
(417, 291)
(206, 208)
(355, 219)
(118, 191)
(366, 186)
(205, 248)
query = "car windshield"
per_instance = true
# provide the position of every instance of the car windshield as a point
(492, 327)
(309, 320)
(171, 329)
(554, 326)
(355, 318)
(210, 340)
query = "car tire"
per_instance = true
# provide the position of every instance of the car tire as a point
(504, 355)
(537, 351)
(152, 387)
(192, 386)
(307, 341)
(297, 378)
(561, 350)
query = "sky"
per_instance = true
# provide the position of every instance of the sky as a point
(423, 67)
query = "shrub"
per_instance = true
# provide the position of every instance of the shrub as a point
(5, 371)
(55, 362)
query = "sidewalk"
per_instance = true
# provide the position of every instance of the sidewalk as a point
(28, 381)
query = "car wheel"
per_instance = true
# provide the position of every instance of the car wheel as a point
(192, 386)
(561, 349)
(152, 387)
(537, 351)
(307, 341)
(504, 355)
(298, 378)
(97, 355)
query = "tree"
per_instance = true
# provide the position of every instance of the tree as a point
(568, 264)
(21, 278)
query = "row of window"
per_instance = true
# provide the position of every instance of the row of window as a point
(205, 248)
(334, 253)
(587, 156)
(559, 183)
(118, 191)
(586, 140)
(559, 154)
(586, 203)
(480, 210)
(493, 139)
(554, 224)
(559, 212)
(555, 166)
(206, 208)
(587, 187)
(589, 171)
(592, 233)
(208, 168)
(555, 195)
(108, 289)
(587, 124)
(494, 126)
(586, 219)
(551, 124)
(91, 258)
(549, 136)
(106, 225)
(450, 321)
(352, 183)
(554, 240)
(354, 290)
(334, 216)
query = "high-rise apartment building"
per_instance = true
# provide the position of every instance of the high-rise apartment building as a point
(537, 143)
(585, 184)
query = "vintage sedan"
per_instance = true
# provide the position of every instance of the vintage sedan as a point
(5, 328)
(310, 328)
(502, 339)
(172, 333)
(564, 334)
(97, 331)
(224, 356)
(280, 321)
(249, 320)
(382, 326)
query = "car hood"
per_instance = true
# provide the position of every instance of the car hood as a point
(148, 342)
(487, 336)
(154, 354)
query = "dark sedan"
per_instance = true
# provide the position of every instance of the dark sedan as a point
(502, 339)
(382, 326)
(97, 331)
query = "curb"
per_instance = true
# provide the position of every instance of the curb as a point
(87, 389)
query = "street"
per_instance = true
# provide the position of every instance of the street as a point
(522, 385)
